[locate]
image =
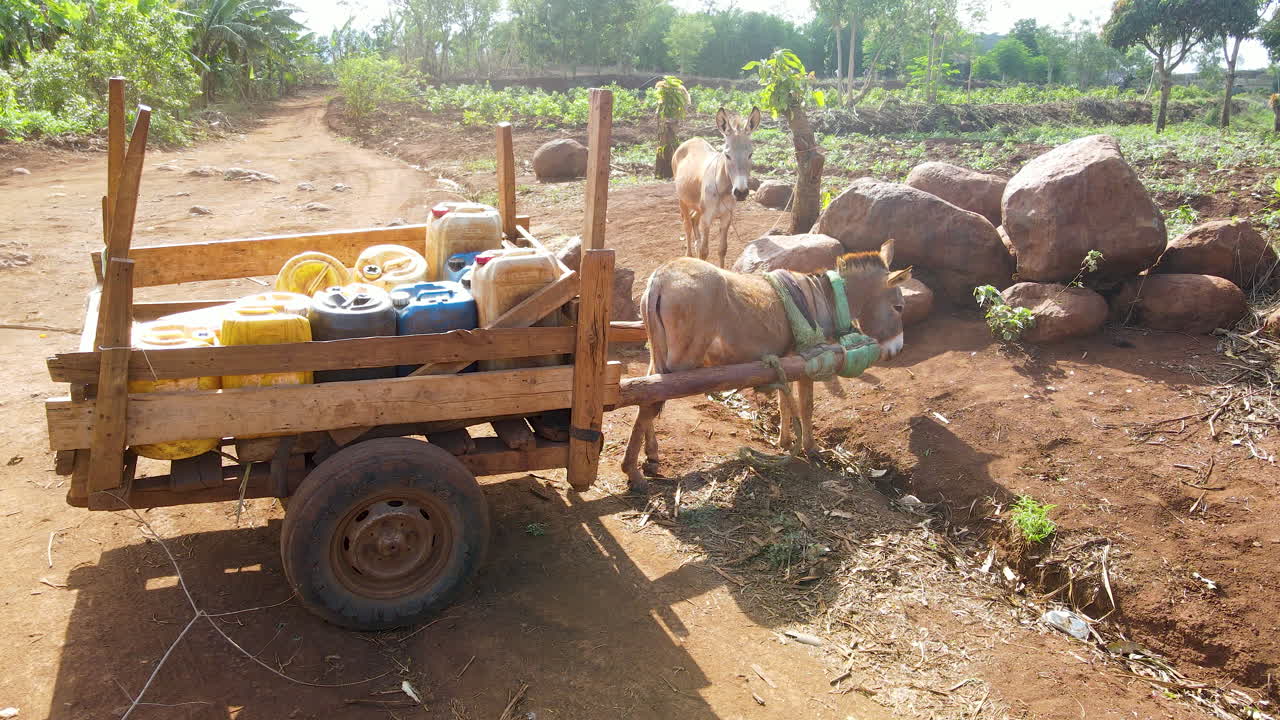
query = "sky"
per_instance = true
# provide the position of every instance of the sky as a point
(324, 15)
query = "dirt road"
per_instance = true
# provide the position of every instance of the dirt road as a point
(596, 628)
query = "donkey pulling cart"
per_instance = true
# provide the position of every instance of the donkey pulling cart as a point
(381, 528)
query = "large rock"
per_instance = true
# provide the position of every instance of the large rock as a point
(962, 187)
(1061, 312)
(1075, 198)
(1229, 249)
(961, 248)
(774, 194)
(917, 302)
(562, 159)
(802, 253)
(1184, 303)
(624, 279)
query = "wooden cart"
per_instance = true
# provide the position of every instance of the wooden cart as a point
(381, 528)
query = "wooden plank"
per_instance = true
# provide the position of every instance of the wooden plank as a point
(148, 311)
(599, 130)
(491, 457)
(115, 150)
(165, 417)
(464, 346)
(523, 221)
(590, 354)
(254, 257)
(650, 389)
(107, 445)
(627, 331)
(506, 180)
(529, 311)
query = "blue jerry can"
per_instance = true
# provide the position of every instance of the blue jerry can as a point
(458, 265)
(432, 307)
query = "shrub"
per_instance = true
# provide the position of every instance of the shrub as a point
(1006, 323)
(1031, 519)
(369, 82)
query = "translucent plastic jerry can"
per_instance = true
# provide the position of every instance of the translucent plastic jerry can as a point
(352, 311)
(464, 228)
(167, 336)
(388, 266)
(503, 279)
(310, 272)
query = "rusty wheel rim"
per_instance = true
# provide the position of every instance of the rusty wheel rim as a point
(392, 544)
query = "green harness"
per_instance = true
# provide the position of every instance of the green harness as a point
(822, 360)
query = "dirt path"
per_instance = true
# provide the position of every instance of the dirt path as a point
(598, 623)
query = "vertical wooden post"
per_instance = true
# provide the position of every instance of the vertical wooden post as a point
(506, 181)
(106, 471)
(115, 150)
(600, 129)
(591, 349)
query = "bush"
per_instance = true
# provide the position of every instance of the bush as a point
(369, 82)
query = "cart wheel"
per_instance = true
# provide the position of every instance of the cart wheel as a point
(384, 533)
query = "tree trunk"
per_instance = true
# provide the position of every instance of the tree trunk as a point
(929, 94)
(1166, 84)
(666, 150)
(1275, 109)
(1230, 83)
(853, 49)
(1151, 84)
(805, 203)
(835, 27)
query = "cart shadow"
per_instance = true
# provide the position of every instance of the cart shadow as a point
(558, 604)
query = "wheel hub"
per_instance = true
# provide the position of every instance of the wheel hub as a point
(389, 544)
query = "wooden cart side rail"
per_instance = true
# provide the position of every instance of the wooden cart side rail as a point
(256, 257)
(457, 346)
(166, 417)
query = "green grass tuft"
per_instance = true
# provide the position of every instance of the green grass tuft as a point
(1031, 518)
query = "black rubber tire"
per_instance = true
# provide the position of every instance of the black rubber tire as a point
(372, 471)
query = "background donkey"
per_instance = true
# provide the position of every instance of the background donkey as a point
(709, 183)
(698, 315)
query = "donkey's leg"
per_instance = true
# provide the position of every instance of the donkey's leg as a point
(805, 400)
(651, 459)
(686, 220)
(786, 437)
(641, 430)
(704, 232)
(725, 222)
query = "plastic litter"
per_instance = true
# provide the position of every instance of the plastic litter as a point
(1067, 622)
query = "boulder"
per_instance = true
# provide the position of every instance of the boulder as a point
(917, 302)
(774, 194)
(1061, 312)
(624, 279)
(245, 174)
(962, 187)
(562, 159)
(316, 207)
(1180, 302)
(961, 248)
(1078, 197)
(802, 253)
(1229, 249)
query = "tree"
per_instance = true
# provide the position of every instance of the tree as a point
(672, 100)
(786, 91)
(984, 67)
(1012, 57)
(1027, 32)
(1054, 48)
(1228, 23)
(1167, 29)
(232, 39)
(686, 38)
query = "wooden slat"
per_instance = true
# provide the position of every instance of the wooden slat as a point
(590, 354)
(491, 457)
(148, 311)
(255, 257)
(465, 346)
(165, 417)
(649, 389)
(115, 149)
(107, 444)
(627, 331)
(599, 129)
(506, 180)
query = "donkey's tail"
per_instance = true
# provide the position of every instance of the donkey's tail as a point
(652, 313)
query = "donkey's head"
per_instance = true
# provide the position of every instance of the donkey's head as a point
(875, 295)
(737, 147)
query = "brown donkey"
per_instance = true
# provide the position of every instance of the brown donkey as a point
(698, 315)
(709, 184)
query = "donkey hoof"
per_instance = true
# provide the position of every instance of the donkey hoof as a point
(652, 468)
(637, 484)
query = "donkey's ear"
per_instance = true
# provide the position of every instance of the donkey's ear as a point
(886, 253)
(753, 122)
(722, 121)
(897, 277)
